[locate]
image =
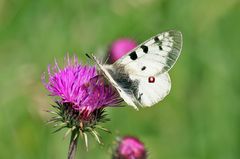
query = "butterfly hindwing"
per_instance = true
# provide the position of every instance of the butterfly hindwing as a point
(138, 90)
(151, 90)
(154, 56)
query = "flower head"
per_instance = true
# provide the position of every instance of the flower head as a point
(120, 48)
(130, 148)
(81, 95)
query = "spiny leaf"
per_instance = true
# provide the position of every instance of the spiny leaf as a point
(88, 129)
(52, 112)
(96, 135)
(60, 124)
(52, 121)
(76, 135)
(86, 140)
(81, 133)
(102, 128)
(55, 106)
(56, 117)
(58, 129)
(67, 133)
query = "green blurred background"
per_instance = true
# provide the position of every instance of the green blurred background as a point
(198, 120)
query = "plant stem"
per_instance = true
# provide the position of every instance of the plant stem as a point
(73, 145)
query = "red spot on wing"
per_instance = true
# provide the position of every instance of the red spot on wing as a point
(151, 79)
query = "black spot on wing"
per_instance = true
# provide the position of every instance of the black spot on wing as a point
(143, 68)
(159, 43)
(156, 39)
(144, 48)
(133, 55)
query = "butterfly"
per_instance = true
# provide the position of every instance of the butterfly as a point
(141, 76)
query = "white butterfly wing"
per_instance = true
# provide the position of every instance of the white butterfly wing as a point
(154, 56)
(150, 93)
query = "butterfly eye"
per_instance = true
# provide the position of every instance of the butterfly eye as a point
(151, 79)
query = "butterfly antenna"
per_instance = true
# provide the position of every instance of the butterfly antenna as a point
(108, 56)
(88, 56)
(92, 58)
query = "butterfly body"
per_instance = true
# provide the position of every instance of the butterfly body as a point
(141, 76)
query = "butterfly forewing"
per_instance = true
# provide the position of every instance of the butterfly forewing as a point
(155, 56)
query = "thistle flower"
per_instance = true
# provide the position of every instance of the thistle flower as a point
(121, 47)
(130, 148)
(80, 96)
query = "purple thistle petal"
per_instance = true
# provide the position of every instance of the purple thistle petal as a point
(80, 86)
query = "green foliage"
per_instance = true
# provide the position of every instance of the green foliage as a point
(198, 120)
